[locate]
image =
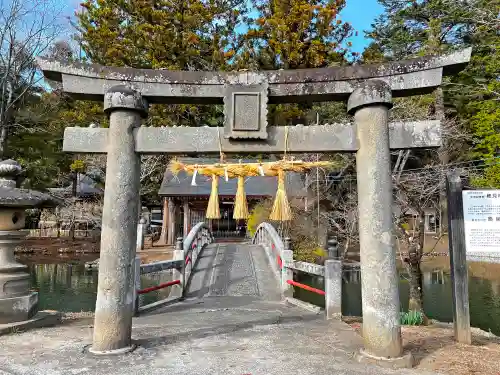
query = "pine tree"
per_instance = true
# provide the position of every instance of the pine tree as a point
(476, 91)
(163, 34)
(160, 34)
(414, 28)
(295, 34)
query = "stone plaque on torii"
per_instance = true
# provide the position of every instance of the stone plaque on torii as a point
(368, 89)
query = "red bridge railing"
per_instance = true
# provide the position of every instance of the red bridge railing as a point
(306, 287)
(281, 259)
(185, 257)
(157, 287)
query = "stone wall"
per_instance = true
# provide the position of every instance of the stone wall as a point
(83, 216)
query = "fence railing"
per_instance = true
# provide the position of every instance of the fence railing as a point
(184, 260)
(281, 259)
(57, 233)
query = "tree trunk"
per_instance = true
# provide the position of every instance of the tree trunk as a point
(72, 223)
(74, 184)
(72, 231)
(416, 302)
(3, 139)
(416, 295)
(444, 159)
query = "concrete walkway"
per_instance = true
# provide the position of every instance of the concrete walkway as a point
(232, 322)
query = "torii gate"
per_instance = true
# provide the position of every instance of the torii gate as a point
(368, 89)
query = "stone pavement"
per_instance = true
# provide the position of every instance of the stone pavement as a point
(231, 269)
(232, 322)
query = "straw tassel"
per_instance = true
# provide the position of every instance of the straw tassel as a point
(240, 204)
(281, 208)
(213, 211)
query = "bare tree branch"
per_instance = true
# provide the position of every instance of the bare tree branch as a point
(27, 29)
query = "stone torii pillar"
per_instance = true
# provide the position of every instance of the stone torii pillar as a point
(115, 291)
(370, 104)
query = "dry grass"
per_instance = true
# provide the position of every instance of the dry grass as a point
(435, 349)
(151, 256)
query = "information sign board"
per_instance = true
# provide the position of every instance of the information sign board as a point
(482, 221)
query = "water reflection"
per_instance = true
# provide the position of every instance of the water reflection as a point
(484, 296)
(73, 288)
(64, 287)
(69, 287)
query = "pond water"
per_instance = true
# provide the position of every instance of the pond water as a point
(484, 293)
(69, 287)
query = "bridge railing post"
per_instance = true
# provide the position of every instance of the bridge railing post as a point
(197, 248)
(141, 231)
(179, 274)
(333, 288)
(286, 273)
(333, 249)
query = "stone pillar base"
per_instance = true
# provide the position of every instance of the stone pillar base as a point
(119, 351)
(41, 319)
(405, 361)
(18, 309)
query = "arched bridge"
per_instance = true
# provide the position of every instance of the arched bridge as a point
(256, 272)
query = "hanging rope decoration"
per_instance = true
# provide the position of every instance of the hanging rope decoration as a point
(248, 169)
(281, 208)
(240, 211)
(213, 211)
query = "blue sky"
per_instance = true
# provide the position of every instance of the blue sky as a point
(360, 13)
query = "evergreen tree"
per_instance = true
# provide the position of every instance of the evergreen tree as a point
(410, 28)
(295, 34)
(476, 91)
(160, 34)
(163, 34)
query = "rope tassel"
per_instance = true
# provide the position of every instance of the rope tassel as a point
(240, 203)
(213, 211)
(281, 208)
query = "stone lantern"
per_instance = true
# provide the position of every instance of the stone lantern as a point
(17, 302)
